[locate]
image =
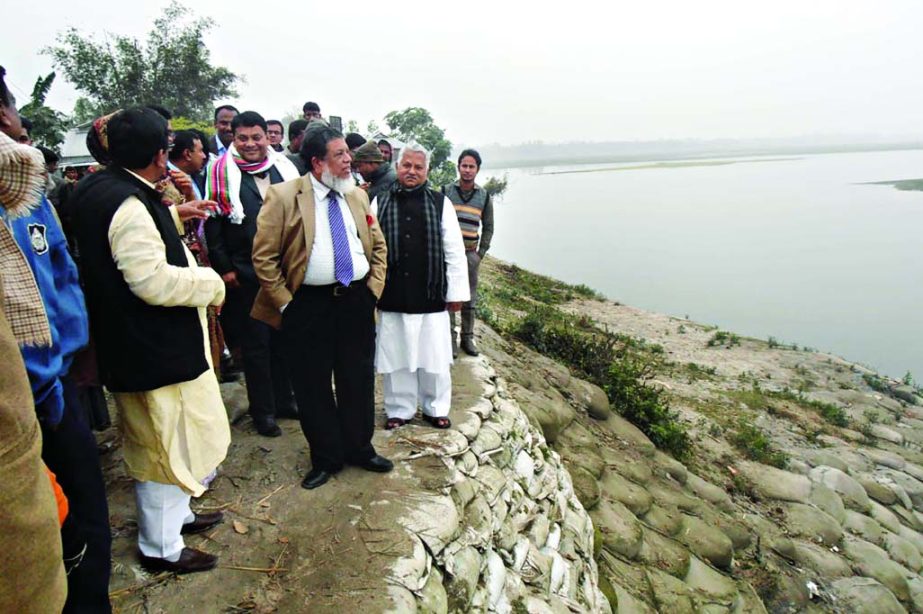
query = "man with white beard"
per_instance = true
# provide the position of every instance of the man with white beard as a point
(320, 259)
(427, 278)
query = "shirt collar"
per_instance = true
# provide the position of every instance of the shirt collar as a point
(319, 188)
(141, 179)
(219, 146)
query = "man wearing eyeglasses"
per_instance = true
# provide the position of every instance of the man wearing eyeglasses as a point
(276, 133)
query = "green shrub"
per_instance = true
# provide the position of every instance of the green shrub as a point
(875, 383)
(697, 371)
(550, 332)
(486, 315)
(587, 292)
(834, 414)
(644, 405)
(723, 338)
(613, 362)
(541, 288)
(755, 445)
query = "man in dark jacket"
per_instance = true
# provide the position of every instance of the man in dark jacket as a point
(238, 181)
(295, 138)
(378, 174)
(146, 299)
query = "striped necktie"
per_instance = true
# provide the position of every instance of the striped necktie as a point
(342, 259)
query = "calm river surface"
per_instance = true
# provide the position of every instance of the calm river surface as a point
(789, 246)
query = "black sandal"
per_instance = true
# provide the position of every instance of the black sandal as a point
(394, 423)
(439, 423)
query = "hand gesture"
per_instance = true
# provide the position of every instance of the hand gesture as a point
(183, 183)
(196, 209)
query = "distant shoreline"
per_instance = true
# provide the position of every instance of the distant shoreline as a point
(656, 165)
(493, 162)
(907, 185)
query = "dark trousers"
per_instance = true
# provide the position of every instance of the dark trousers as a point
(469, 308)
(70, 451)
(269, 391)
(333, 335)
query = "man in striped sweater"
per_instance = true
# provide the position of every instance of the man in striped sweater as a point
(475, 212)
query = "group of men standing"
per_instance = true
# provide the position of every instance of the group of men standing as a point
(299, 258)
(414, 352)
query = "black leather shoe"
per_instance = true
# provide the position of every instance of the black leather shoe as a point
(467, 344)
(378, 464)
(290, 412)
(202, 522)
(190, 561)
(227, 378)
(267, 427)
(230, 366)
(315, 478)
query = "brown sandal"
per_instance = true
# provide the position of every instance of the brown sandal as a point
(439, 423)
(394, 423)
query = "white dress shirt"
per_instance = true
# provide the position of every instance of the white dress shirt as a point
(320, 265)
(220, 149)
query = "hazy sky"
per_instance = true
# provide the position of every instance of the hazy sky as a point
(514, 72)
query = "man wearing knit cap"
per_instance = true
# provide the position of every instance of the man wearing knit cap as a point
(375, 170)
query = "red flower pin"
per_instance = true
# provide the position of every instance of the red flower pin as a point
(369, 219)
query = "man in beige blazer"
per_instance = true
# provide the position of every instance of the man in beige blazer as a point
(320, 258)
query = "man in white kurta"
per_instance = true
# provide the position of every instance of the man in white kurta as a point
(174, 437)
(427, 276)
(147, 300)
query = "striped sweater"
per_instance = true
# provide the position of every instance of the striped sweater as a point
(475, 216)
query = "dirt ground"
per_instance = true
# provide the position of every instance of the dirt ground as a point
(283, 548)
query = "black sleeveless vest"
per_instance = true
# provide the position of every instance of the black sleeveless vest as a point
(141, 347)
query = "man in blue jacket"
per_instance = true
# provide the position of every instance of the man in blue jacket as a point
(48, 340)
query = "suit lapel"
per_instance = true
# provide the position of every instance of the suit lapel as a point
(355, 207)
(247, 182)
(305, 201)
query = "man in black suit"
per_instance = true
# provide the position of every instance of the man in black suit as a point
(224, 133)
(238, 181)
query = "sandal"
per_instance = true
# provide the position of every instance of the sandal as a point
(439, 423)
(394, 423)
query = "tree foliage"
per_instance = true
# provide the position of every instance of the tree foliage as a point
(416, 123)
(172, 68)
(202, 125)
(496, 186)
(48, 125)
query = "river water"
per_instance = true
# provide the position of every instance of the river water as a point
(795, 247)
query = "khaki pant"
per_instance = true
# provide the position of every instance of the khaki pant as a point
(468, 309)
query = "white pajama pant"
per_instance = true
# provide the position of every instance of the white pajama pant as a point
(163, 509)
(405, 388)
